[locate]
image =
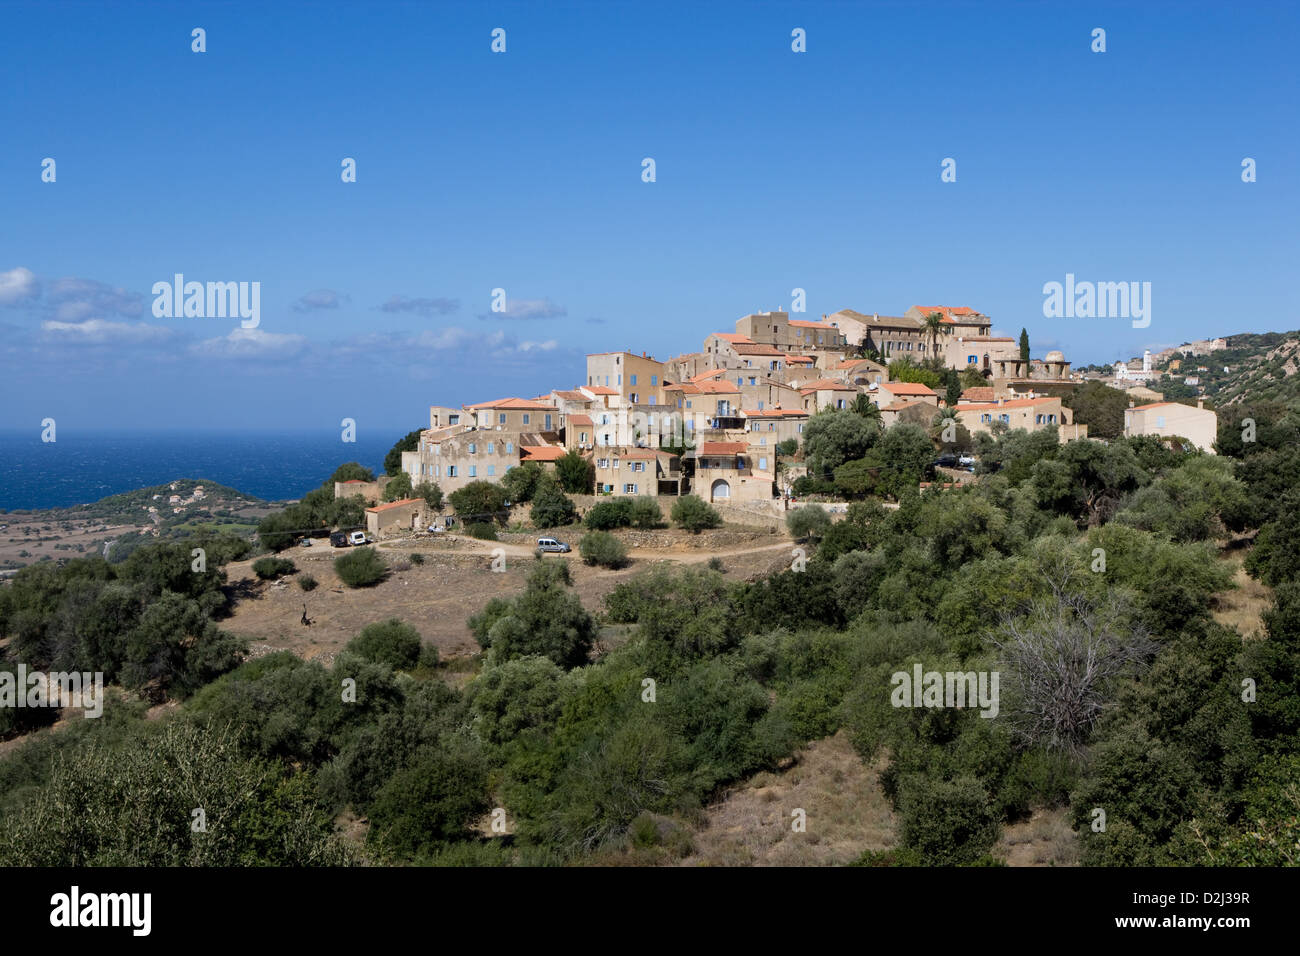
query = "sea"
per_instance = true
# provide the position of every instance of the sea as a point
(82, 467)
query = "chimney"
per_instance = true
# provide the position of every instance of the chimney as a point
(1200, 403)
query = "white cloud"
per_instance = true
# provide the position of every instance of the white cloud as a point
(244, 343)
(319, 299)
(103, 332)
(18, 284)
(76, 299)
(528, 309)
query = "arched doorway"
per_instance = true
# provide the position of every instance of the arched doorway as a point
(721, 491)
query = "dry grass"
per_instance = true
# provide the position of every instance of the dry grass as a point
(1045, 839)
(1243, 607)
(846, 814)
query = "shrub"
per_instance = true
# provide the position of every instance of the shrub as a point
(361, 568)
(808, 522)
(605, 515)
(551, 506)
(601, 547)
(268, 568)
(417, 558)
(646, 513)
(398, 487)
(482, 530)
(307, 582)
(392, 642)
(546, 619)
(480, 501)
(692, 513)
(431, 493)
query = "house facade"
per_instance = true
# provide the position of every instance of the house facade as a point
(1199, 425)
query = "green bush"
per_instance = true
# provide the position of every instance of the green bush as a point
(417, 558)
(268, 568)
(361, 568)
(601, 547)
(307, 582)
(606, 515)
(399, 487)
(392, 642)
(646, 513)
(551, 506)
(479, 501)
(482, 530)
(809, 521)
(692, 513)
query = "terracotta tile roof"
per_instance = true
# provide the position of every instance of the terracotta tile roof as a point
(1012, 403)
(853, 363)
(397, 504)
(805, 324)
(800, 360)
(600, 389)
(640, 454)
(355, 481)
(825, 384)
(723, 448)
(515, 404)
(733, 338)
(774, 412)
(978, 394)
(580, 420)
(744, 348)
(717, 388)
(898, 406)
(714, 373)
(1138, 408)
(541, 452)
(572, 396)
(907, 388)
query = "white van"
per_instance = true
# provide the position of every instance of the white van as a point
(357, 538)
(551, 545)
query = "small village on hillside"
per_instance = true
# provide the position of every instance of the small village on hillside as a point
(724, 422)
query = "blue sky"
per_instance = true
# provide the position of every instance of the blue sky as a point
(522, 170)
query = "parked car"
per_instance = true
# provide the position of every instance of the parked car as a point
(436, 529)
(946, 461)
(547, 545)
(966, 461)
(357, 538)
(338, 539)
(306, 542)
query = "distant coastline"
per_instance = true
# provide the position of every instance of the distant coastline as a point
(83, 467)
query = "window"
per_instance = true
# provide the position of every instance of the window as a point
(629, 489)
(652, 399)
(453, 419)
(633, 380)
(472, 448)
(986, 417)
(582, 438)
(740, 380)
(473, 471)
(602, 462)
(762, 441)
(526, 418)
(753, 380)
(492, 470)
(492, 448)
(607, 381)
(760, 405)
(970, 360)
(615, 464)
(451, 471)
(771, 426)
(839, 403)
(501, 419)
(510, 448)
(801, 428)
(620, 381)
(762, 464)
(654, 379)
(1160, 421)
(635, 398)
(1004, 417)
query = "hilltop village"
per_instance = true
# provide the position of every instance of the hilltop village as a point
(710, 422)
